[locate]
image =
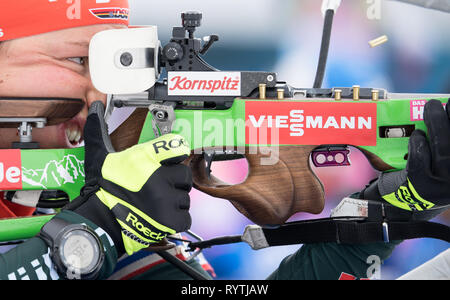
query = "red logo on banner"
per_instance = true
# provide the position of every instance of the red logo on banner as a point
(10, 170)
(310, 123)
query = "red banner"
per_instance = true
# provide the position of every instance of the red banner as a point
(311, 123)
(10, 170)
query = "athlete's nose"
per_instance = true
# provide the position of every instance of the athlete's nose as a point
(94, 95)
(91, 95)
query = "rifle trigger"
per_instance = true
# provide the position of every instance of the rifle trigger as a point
(208, 156)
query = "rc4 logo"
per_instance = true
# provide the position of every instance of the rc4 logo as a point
(10, 170)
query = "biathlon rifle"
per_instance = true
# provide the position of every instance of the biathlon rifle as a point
(224, 115)
(228, 115)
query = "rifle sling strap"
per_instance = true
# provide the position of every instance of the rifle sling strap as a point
(353, 232)
(382, 222)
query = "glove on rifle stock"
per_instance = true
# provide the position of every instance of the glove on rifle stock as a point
(139, 195)
(425, 182)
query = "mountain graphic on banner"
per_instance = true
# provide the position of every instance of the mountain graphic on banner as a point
(55, 173)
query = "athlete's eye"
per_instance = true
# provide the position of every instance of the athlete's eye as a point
(77, 60)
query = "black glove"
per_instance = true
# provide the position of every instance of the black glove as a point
(138, 196)
(425, 182)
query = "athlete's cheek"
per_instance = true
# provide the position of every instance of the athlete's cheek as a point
(47, 81)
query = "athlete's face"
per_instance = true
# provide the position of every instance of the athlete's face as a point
(53, 64)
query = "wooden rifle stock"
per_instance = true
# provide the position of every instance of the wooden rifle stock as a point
(54, 110)
(271, 193)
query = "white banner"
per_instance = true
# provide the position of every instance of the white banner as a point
(204, 83)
